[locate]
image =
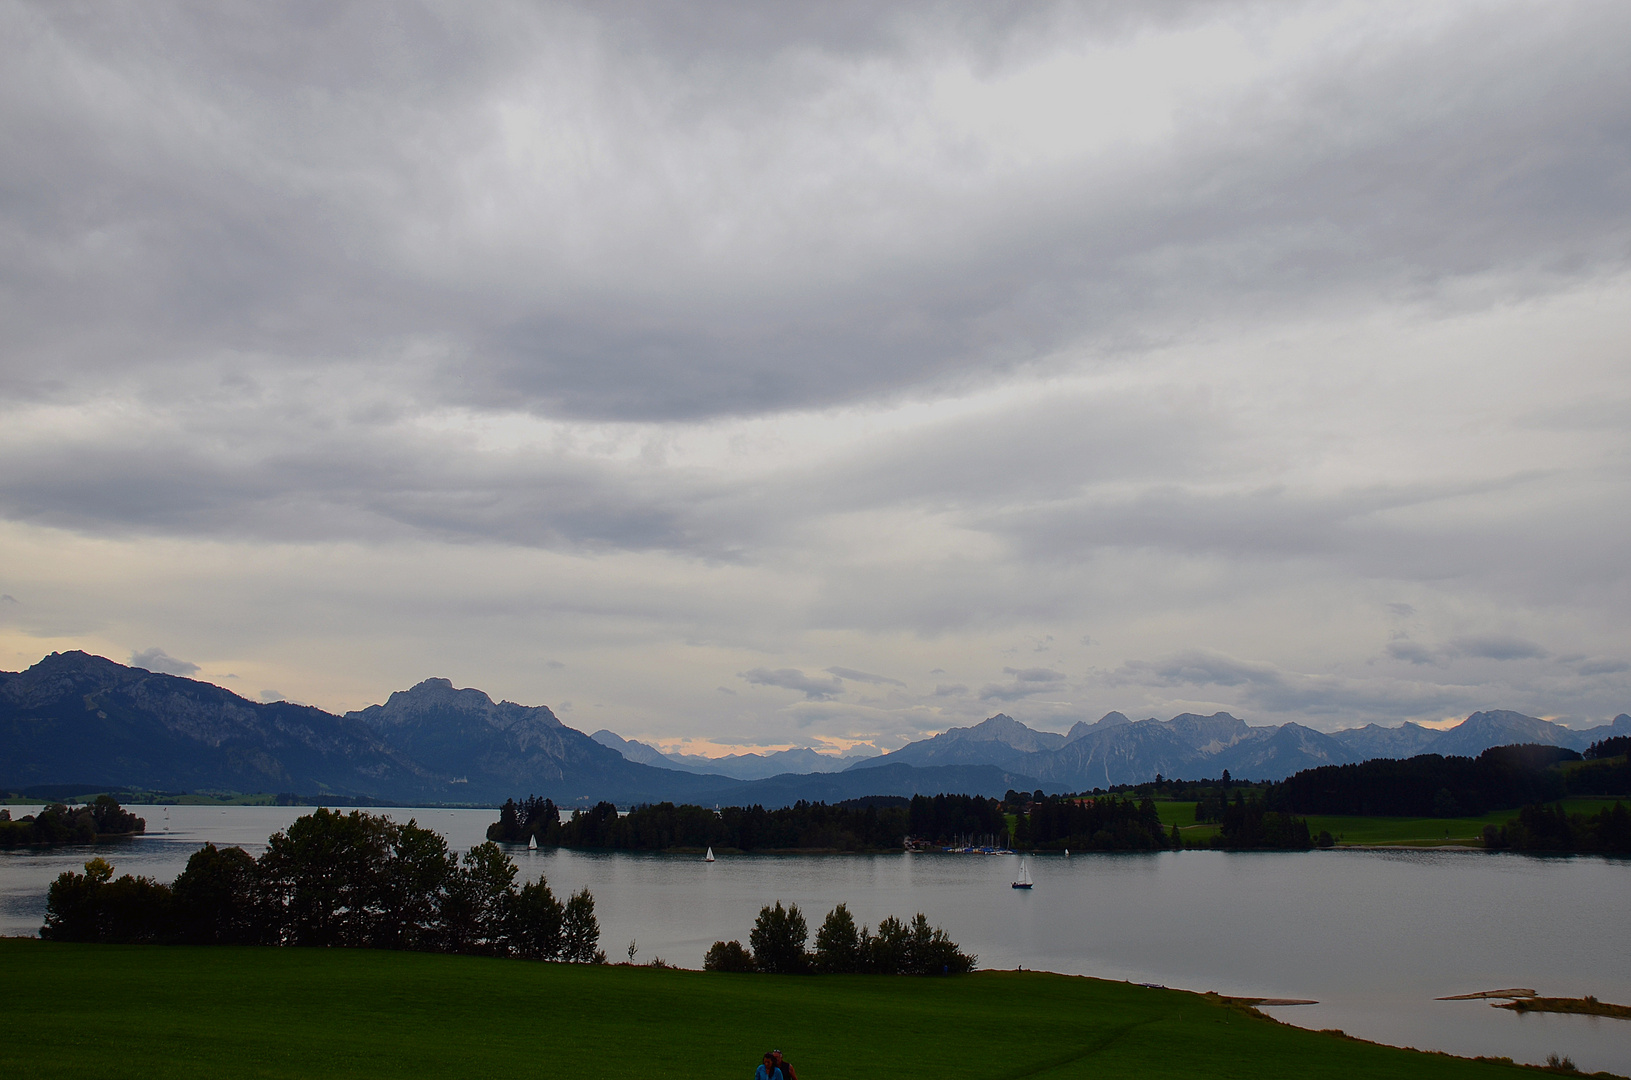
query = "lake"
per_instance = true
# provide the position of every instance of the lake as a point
(1373, 936)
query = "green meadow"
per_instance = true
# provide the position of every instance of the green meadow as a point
(1378, 831)
(157, 1011)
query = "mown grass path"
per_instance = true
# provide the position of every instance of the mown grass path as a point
(131, 1011)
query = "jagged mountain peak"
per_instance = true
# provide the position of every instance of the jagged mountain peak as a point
(1004, 729)
(438, 697)
(1108, 720)
(1501, 716)
(633, 749)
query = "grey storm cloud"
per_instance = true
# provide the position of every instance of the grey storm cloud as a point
(156, 659)
(1025, 683)
(864, 676)
(673, 342)
(1268, 688)
(1500, 647)
(1604, 667)
(1033, 675)
(813, 689)
(1413, 652)
(315, 191)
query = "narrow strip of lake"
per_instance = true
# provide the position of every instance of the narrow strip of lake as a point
(1374, 937)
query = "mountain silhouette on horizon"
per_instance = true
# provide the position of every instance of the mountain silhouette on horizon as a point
(78, 719)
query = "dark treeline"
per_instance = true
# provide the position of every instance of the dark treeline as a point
(60, 823)
(1040, 822)
(1103, 823)
(1501, 778)
(780, 934)
(1107, 823)
(1617, 747)
(353, 880)
(856, 825)
(1550, 828)
(530, 818)
(1249, 823)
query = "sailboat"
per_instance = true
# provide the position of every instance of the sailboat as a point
(1024, 881)
(709, 857)
(532, 842)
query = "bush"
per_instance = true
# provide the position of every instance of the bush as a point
(727, 956)
(93, 906)
(899, 948)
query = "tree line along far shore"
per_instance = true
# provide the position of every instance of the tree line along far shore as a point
(1250, 816)
(1029, 822)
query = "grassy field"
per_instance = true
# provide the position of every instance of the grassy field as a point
(133, 1011)
(1379, 831)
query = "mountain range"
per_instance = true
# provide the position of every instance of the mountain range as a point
(1116, 750)
(80, 721)
(75, 719)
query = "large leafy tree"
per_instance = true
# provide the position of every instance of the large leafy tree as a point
(838, 948)
(325, 879)
(580, 931)
(476, 913)
(536, 922)
(778, 938)
(217, 897)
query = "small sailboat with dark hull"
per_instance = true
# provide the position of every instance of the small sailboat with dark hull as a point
(1024, 881)
(709, 857)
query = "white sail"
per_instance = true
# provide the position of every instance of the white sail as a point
(532, 843)
(709, 857)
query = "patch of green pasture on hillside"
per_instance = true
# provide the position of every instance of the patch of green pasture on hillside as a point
(1372, 830)
(1591, 804)
(1175, 813)
(1407, 831)
(1431, 831)
(157, 1011)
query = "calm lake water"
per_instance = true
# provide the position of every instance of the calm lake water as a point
(1373, 936)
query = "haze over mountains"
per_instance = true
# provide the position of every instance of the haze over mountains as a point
(77, 719)
(738, 766)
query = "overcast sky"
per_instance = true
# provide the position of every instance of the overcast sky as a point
(763, 375)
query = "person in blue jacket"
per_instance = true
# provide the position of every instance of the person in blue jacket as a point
(768, 1070)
